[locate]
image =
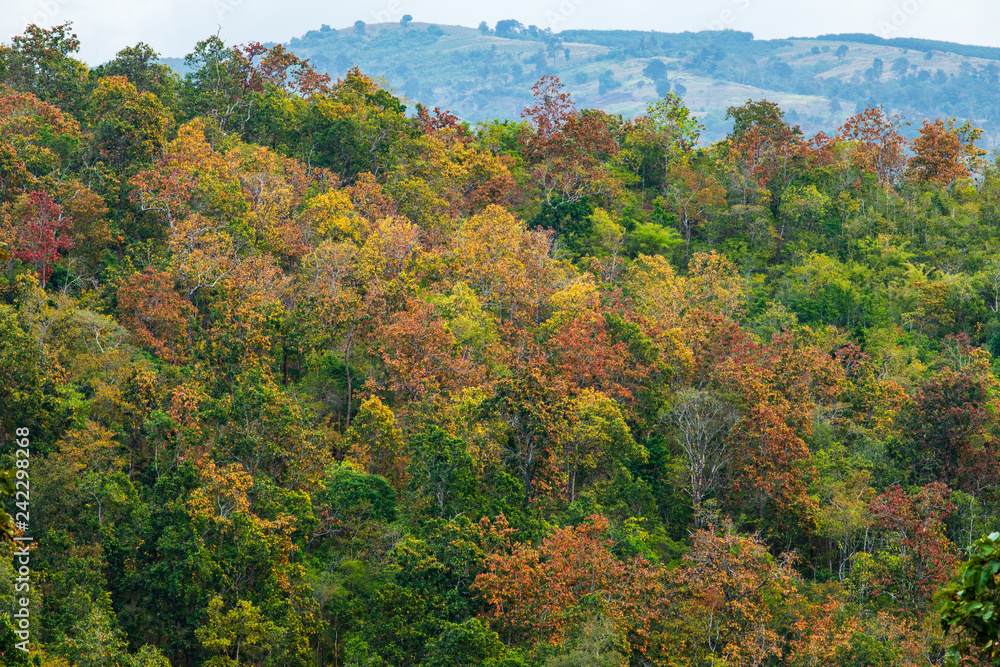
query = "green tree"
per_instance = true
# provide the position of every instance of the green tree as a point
(130, 128)
(39, 62)
(139, 65)
(971, 607)
(442, 472)
(468, 643)
(22, 377)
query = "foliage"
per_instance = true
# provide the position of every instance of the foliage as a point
(314, 379)
(970, 608)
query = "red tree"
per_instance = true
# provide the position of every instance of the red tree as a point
(39, 230)
(916, 525)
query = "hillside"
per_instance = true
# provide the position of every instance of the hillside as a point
(294, 374)
(819, 82)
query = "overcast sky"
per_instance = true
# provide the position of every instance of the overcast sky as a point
(174, 26)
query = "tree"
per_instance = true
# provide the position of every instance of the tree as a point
(800, 205)
(38, 140)
(666, 134)
(598, 443)
(240, 629)
(377, 444)
(359, 27)
(763, 149)
(38, 230)
(39, 62)
(420, 353)
(129, 127)
(766, 117)
(703, 423)
(587, 358)
(532, 407)
(442, 470)
(970, 604)
(139, 65)
(510, 269)
(349, 499)
(357, 127)
(900, 66)
(192, 177)
(943, 153)
(551, 110)
(484, 28)
(874, 73)
(734, 595)
(915, 524)
(156, 315)
(532, 592)
(877, 147)
(405, 21)
(509, 28)
(770, 463)
(568, 148)
(694, 194)
(655, 70)
(226, 83)
(949, 426)
(468, 643)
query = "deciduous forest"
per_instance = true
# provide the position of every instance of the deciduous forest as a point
(315, 376)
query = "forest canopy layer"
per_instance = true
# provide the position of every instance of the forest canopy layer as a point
(315, 378)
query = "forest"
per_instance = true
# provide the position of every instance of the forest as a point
(295, 374)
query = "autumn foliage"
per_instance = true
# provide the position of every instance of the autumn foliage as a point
(311, 377)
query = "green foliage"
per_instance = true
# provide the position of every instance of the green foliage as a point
(442, 474)
(972, 603)
(350, 494)
(468, 643)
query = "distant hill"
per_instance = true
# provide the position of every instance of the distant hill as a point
(487, 73)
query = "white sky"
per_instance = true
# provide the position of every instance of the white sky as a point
(173, 26)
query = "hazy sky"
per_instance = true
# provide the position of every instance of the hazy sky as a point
(174, 26)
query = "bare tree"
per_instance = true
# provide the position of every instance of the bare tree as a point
(703, 422)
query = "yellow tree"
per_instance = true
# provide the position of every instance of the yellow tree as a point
(377, 443)
(597, 441)
(240, 629)
(510, 268)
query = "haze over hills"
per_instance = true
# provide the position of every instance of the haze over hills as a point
(487, 73)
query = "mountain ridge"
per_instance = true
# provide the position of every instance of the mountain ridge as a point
(486, 73)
